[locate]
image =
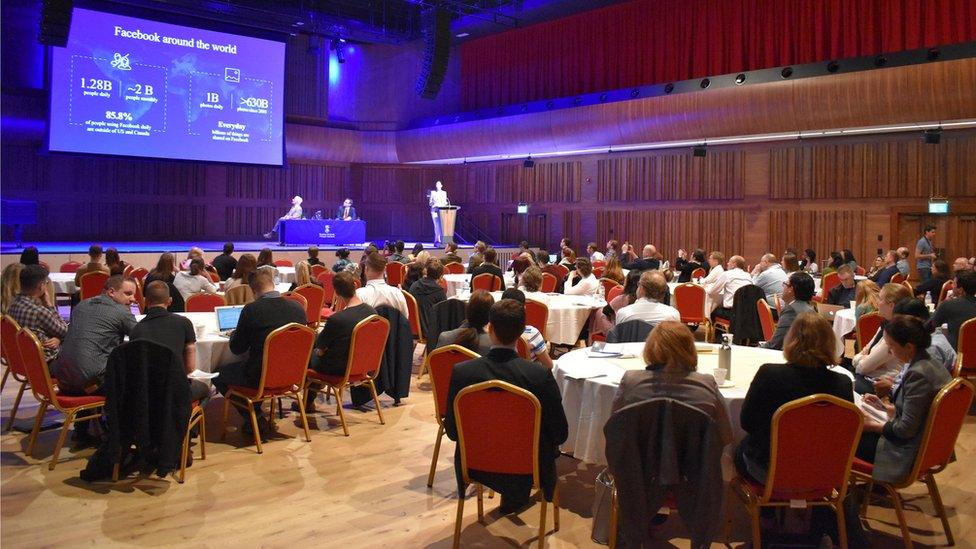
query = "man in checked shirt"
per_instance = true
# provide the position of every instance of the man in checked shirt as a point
(32, 310)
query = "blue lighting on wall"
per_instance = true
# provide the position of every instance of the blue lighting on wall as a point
(333, 70)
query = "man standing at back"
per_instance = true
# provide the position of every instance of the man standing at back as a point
(925, 253)
(268, 312)
(225, 262)
(506, 323)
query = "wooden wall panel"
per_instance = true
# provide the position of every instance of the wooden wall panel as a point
(670, 230)
(657, 177)
(824, 231)
(307, 72)
(532, 227)
(317, 184)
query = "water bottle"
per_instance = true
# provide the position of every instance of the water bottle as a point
(725, 355)
(928, 299)
(466, 287)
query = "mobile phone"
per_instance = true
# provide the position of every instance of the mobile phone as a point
(598, 345)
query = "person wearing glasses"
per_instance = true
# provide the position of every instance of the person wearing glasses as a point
(798, 290)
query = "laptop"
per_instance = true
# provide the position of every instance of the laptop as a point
(227, 318)
(828, 311)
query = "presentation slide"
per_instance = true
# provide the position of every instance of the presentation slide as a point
(135, 87)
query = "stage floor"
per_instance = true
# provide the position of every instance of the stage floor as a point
(183, 245)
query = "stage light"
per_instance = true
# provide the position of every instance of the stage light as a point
(880, 61)
(704, 83)
(933, 54)
(699, 151)
(635, 92)
(603, 97)
(669, 88)
(740, 79)
(338, 45)
(528, 163)
(932, 137)
(786, 72)
(833, 67)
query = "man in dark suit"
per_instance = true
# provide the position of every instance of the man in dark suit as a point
(225, 262)
(489, 266)
(845, 292)
(268, 312)
(646, 262)
(506, 324)
(889, 270)
(797, 292)
(346, 211)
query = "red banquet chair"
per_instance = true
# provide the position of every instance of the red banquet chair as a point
(316, 270)
(689, 299)
(766, 319)
(614, 293)
(498, 432)
(827, 283)
(315, 299)
(286, 354)
(698, 273)
(32, 355)
(10, 353)
(297, 298)
(70, 267)
(811, 448)
(487, 282)
(362, 367)
(413, 310)
(283, 263)
(395, 273)
(946, 416)
(564, 271)
(867, 325)
(204, 303)
(609, 285)
(549, 283)
(966, 351)
(537, 316)
(897, 278)
(859, 271)
(946, 288)
(598, 271)
(325, 279)
(139, 274)
(440, 363)
(92, 284)
(454, 268)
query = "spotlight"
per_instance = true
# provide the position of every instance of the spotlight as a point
(635, 92)
(833, 67)
(524, 108)
(933, 54)
(578, 101)
(786, 72)
(699, 151)
(528, 163)
(603, 97)
(740, 79)
(338, 45)
(880, 61)
(669, 88)
(550, 104)
(704, 83)
(932, 137)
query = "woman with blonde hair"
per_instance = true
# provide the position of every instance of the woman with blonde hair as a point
(9, 285)
(810, 348)
(671, 359)
(875, 360)
(865, 298)
(614, 271)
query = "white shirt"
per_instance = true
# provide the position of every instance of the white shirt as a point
(377, 293)
(771, 281)
(597, 256)
(438, 199)
(648, 310)
(294, 213)
(587, 286)
(723, 289)
(188, 284)
(712, 275)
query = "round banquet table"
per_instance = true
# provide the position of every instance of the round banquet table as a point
(589, 384)
(213, 350)
(844, 323)
(64, 283)
(287, 274)
(455, 282)
(568, 315)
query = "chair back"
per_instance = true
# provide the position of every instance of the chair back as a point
(297, 298)
(867, 326)
(204, 303)
(946, 288)
(765, 319)
(454, 268)
(286, 354)
(140, 297)
(614, 293)
(498, 429)
(92, 284)
(416, 328)
(9, 351)
(316, 270)
(139, 274)
(946, 417)
(689, 299)
(897, 278)
(598, 271)
(966, 350)
(608, 285)
(127, 271)
(549, 283)
(239, 295)
(395, 272)
(859, 271)
(811, 448)
(598, 263)
(522, 348)
(283, 263)
(698, 273)
(35, 367)
(827, 283)
(70, 267)
(325, 279)
(212, 276)
(485, 281)
(908, 285)
(367, 347)
(563, 271)
(537, 316)
(315, 297)
(440, 364)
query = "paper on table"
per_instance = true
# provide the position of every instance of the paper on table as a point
(201, 375)
(583, 370)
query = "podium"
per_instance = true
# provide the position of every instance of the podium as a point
(447, 216)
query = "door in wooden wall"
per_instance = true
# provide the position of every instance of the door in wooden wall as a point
(910, 227)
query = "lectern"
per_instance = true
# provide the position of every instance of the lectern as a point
(447, 216)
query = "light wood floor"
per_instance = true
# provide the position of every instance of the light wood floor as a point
(368, 489)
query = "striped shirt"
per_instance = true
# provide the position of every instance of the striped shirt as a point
(44, 321)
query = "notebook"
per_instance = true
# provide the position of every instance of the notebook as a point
(227, 317)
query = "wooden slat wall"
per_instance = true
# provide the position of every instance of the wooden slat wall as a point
(892, 169)
(533, 227)
(656, 177)
(670, 230)
(824, 231)
(307, 92)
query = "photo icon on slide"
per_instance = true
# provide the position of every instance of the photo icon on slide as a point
(232, 75)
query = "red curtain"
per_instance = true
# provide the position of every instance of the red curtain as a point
(656, 41)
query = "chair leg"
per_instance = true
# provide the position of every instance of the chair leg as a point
(841, 524)
(13, 410)
(900, 512)
(481, 502)
(37, 427)
(555, 507)
(203, 434)
(612, 543)
(223, 424)
(457, 521)
(756, 529)
(437, 452)
(342, 415)
(376, 400)
(301, 411)
(542, 524)
(6, 374)
(939, 508)
(254, 425)
(68, 420)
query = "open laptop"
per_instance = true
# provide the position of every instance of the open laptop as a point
(227, 318)
(828, 311)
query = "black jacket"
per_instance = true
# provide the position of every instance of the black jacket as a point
(839, 295)
(491, 269)
(505, 365)
(225, 265)
(397, 364)
(177, 306)
(258, 319)
(643, 264)
(686, 267)
(746, 328)
(428, 293)
(629, 332)
(445, 316)
(933, 285)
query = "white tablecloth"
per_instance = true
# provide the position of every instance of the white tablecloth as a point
(64, 283)
(455, 282)
(844, 322)
(287, 274)
(589, 384)
(213, 350)
(568, 315)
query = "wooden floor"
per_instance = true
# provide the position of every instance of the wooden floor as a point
(368, 489)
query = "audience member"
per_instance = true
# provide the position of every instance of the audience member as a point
(892, 445)
(114, 262)
(313, 256)
(98, 325)
(32, 308)
(797, 292)
(422, 258)
(534, 340)
(810, 348)
(489, 266)
(581, 281)
(415, 272)
(647, 262)
(866, 297)
(94, 264)
(166, 271)
(377, 293)
(722, 291)
(877, 267)
(472, 334)
(843, 293)
(398, 254)
(627, 253)
(594, 253)
(836, 260)
(889, 270)
(531, 285)
(266, 262)
(940, 351)
(790, 263)
(246, 267)
(613, 249)
(417, 249)
(902, 262)
(960, 264)
(959, 309)
(450, 253)
(648, 307)
(268, 312)
(194, 253)
(225, 262)
(933, 286)
(686, 267)
(428, 291)
(477, 257)
(613, 271)
(194, 281)
(342, 261)
(172, 331)
(770, 276)
(10, 285)
(809, 261)
(849, 259)
(30, 256)
(874, 361)
(507, 321)
(716, 262)
(568, 258)
(628, 297)
(925, 253)
(520, 262)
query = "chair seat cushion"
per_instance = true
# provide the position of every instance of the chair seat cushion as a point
(251, 392)
(327, 312)
(76, 401)
(759, 489)
(330, 379)
(862, 466)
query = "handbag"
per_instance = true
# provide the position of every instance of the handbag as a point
(602, 508)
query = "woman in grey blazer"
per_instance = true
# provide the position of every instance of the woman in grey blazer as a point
(893, 445)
